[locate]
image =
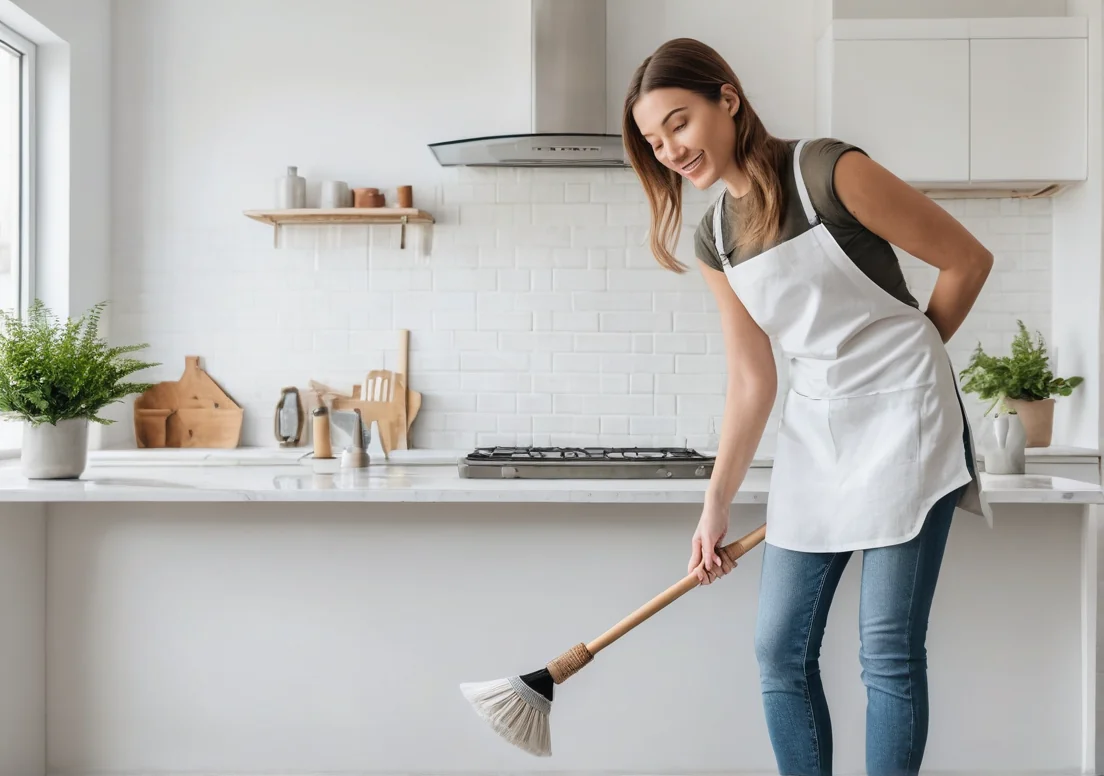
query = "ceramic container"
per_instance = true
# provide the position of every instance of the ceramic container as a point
(291, 190)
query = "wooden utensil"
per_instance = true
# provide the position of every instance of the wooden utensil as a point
(378, 385)
(389, 413)
(193, 411)
(413, 398)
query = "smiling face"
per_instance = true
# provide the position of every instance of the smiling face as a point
(688, 133)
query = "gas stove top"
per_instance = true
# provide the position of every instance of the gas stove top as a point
(547, 463)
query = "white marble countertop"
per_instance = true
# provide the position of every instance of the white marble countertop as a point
(411, 476)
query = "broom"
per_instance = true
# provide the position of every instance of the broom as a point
(517, 707)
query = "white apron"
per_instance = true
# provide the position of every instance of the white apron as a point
(872, 429)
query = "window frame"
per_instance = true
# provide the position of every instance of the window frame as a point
(26, 50)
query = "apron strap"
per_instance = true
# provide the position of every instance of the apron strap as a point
(718, 227)
(802, 191)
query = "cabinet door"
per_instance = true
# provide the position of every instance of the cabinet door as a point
(906, 103)
(1028, 109)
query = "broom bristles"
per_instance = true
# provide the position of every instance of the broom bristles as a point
(515, 711)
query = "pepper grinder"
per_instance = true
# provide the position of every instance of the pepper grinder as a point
(321, 432)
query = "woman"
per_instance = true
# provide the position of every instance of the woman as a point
(873, 450)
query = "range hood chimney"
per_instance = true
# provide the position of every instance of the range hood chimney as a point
(568, 112)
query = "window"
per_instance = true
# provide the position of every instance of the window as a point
(16, 167)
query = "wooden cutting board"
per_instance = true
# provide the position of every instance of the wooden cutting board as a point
(193, 411)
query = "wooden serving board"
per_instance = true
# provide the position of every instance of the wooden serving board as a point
(193, 411)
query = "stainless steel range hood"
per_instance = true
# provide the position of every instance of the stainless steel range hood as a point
(568, 114)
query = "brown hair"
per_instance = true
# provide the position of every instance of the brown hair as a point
(689, 64)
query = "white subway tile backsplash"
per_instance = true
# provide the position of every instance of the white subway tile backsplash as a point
(543, 301)
(643, 343)
(493, 362)
(578, 279)
(601, 301)
(615, 384)
(638, 363)
(496, 321)
(568, 258)
(536, 343)
(497, 403)
(664, 404)
(680, 343)
(574, 321)
(635, 322)
(577, 192)
(703, 322)
(584, 363)
(677, 384)
(465, 280)
(576, 213)
(514, 424)
(653, 426)
(451, 320)
(641, 383)
(603, 343)
(539, 316)
(474, 340)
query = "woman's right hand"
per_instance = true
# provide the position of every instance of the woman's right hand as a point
(706, 560)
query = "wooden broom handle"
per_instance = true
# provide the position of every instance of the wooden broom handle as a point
(733, 550)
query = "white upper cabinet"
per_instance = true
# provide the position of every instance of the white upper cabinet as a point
(959, 102)
(906, 103)
(1028, 109)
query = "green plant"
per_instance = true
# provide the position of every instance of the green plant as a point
(1025, 374)
(51, 371)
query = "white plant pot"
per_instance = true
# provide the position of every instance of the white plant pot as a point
(53, 452)
(1007, 446)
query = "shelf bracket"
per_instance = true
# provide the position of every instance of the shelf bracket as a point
(402, 234)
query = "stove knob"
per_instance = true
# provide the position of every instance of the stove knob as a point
(668, 473)
(700, 471)
(509, 472)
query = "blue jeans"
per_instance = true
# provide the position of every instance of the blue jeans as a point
(898, 585)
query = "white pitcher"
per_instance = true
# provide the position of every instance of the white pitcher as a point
(1006, 451)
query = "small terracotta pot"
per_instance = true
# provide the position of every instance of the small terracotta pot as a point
(406, 196)
(367, 198)
(1037, 418)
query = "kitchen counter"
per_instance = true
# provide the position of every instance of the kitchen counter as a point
(211, 612)
(422, 478)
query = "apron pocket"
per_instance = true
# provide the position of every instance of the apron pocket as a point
(804, 435)
(877, 434)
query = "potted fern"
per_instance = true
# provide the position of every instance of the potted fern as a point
(1022, 383)
(56, 377)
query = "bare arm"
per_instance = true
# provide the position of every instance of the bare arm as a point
(750, 395)
(904, 217)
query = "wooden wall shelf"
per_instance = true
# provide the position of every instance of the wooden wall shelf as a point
(344, 216)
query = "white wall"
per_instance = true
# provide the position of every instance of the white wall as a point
(540, 317)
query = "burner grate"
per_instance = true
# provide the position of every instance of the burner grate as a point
(538, 454)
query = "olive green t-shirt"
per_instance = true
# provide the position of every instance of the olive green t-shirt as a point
(870, 253)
